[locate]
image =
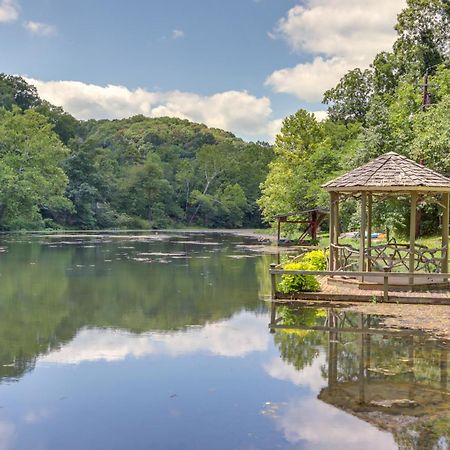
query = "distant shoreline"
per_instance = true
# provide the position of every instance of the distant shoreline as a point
(247, 232)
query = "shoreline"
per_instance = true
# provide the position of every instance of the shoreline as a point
(244, 232)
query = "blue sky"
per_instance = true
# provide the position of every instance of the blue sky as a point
(238, 64)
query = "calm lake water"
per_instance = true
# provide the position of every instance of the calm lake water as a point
(163, 341)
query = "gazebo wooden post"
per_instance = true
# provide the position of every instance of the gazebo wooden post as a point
(337, 263)
(332, 229)
(445, 227)
(362, 233)
(369, 231)
(412, 236)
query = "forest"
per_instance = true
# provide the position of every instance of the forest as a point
(136, 173)
(140, 172)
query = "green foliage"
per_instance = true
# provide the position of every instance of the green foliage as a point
(350, 98)
(430, 142)
(314, 260)
(317, 258)
(306, 317)
(32, 182)
(295, 176)
(137, 172)
(15, 91)
(298, 283)
(423, 30)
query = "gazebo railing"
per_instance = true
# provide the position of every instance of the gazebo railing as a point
(397, 256)
(392, 255)
(346, 256)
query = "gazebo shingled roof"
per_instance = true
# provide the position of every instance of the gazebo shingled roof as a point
(390, 171)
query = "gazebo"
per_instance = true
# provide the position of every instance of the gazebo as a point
(390, 175)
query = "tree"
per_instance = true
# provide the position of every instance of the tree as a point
(15, 91)
(211, 161)
(299, 132)
(32, 181)
(85, 185)
(431, 143)
(308, 153)
(145, 192)
(284, 188)
(349, 100)
(423, 30)
(234, 204)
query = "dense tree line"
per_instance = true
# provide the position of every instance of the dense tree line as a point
(371, 112)
(56, 171)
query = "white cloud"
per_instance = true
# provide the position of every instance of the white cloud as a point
(308, 81)
(178, 34)
(339, 34)
(240, 112)
(40, 29)
(9, 11)
(321, 115)
(304, 420)
(310, 376)
(37, 416)
(242, 334)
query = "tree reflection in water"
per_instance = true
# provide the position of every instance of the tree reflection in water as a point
(396, 380)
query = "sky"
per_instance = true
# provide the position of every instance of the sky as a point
(240, 65)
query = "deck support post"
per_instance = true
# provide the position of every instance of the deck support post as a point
(445, 227)
(362, 234)
(273, 317)
(412, 237)
(369, 231)
(273, 281)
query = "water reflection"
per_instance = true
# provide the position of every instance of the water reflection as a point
(113, 342)
(395, 380)
(238, 336)
(55, 286)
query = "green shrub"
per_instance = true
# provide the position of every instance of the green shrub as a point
(298, 283)
(314, 260)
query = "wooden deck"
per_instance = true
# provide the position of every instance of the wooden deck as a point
(330, 291)
(396, 283)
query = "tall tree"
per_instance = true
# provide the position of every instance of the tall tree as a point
(32, 181)
(349, 100)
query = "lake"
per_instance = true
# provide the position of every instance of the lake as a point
(165, 341)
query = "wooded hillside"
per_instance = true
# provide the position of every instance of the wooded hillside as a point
(139, 172)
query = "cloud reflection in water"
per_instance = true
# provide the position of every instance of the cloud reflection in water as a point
(244, 333)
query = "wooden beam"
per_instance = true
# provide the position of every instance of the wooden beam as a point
(445, 227)
(412, 235)
(336, 232)
(362, 234)
(332, 229)
(369, 230)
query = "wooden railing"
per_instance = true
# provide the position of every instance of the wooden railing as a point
(392, 255)
(385, 275)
